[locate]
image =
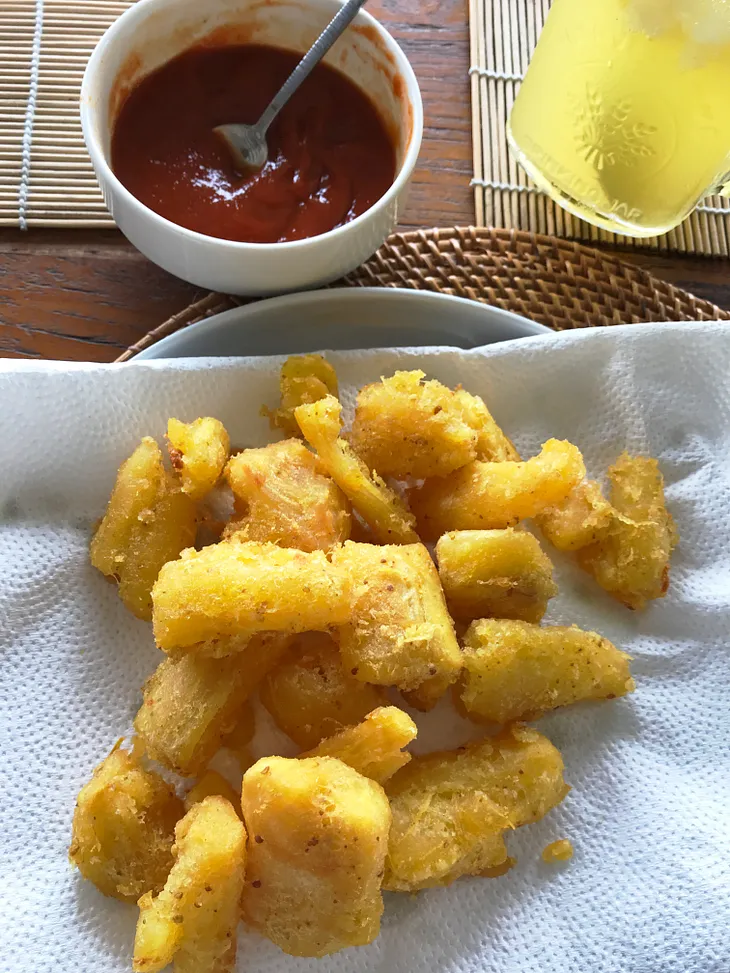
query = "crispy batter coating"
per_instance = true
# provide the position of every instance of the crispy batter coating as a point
(399, 632)
(198, 451)
(192, 922)
(304, 379)
(515, 670)
(123, 828)
(212, 784)
(579, 520)
(451, 809)
(148, 521)
(374, 747)
(191, 702)
(495, 574)
(319, 833)
(631, 559)
(311, 695)
(484, 496)
(286, 498)
(242, 588)
(405, 427)
(380, 507)
(558, 851)
(492, 444)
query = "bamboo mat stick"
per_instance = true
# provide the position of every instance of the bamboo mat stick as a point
(503, 34)
(46, 177)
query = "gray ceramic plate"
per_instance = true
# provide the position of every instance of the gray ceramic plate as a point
(346, 318)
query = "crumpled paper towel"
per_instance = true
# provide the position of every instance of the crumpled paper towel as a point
(648, 890)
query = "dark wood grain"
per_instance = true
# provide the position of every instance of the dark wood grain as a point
(87, 295)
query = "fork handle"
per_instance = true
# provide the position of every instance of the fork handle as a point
(334, 29)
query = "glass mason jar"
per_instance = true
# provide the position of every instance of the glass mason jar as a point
(624, 115)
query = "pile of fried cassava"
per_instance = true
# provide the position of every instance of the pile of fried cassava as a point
(317, 595)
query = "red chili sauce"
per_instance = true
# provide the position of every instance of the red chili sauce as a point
(330, 156)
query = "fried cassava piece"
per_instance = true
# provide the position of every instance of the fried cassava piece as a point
(625, 543)
(285, 498)
(311, 695)
(319, 833)
(485, 496)
(242, 588)
(198, 451)
(515, 670)
(374, 747)
(495, 574)
(123, 828)
(304, 379)
(630, 559)
(406, 427)
(451, 809)
(191, 702)
(148, 521)
(399, 632)
(192, 922)
(385, 513)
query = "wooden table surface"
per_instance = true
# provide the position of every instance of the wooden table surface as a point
(88, 295)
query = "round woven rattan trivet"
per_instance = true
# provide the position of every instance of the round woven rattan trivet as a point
(561, 284)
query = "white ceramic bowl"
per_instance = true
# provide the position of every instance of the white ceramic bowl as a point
(152, 32)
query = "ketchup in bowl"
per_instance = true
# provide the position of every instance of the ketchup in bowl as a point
(330, 155)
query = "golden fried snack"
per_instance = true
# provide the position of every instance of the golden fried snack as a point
(558, 851)
(484, 496)
(631, 559)
(154, 542)
(148, 521)
(311, 695)
(123, 828)
(451, 809)
(212, 784)
(319, 833)
(492, 444)
(139, 482)
(399, 632)
(579, 520)
(242, 588)
(380, 507)
(514, 670)
(198, 451)
(374, 748)
(286, 498)
(192, 922)
(405, 427)
(495, 574)
(191, 702)
(304, 379)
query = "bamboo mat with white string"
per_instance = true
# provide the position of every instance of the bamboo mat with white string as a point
(503, 34)
(46, 178)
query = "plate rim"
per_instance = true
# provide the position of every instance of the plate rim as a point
(527, 327)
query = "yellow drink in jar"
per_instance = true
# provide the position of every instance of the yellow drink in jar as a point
(624, 114)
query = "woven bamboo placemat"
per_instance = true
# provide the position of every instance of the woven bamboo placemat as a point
(503, 34)
(46, 178)
(557, 283)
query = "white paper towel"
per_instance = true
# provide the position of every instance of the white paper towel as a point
(648, 890)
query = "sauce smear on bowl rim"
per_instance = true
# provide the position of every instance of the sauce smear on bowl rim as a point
(330, 154)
